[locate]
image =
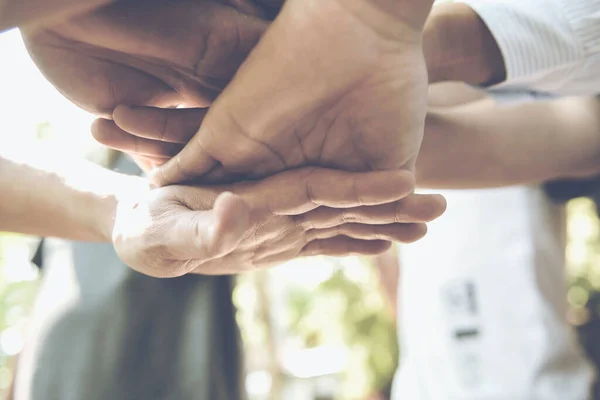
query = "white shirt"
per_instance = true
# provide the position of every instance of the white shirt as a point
(547, 45)
(482, 313)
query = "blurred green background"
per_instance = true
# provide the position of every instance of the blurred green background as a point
(339, 312)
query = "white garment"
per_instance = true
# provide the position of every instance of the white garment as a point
(483, 304)
(547, 45)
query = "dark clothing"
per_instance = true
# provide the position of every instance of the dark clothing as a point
(101, 331)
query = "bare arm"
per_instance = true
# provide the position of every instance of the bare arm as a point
(459, 47)
(172, 231)
(31, 13)
(454, 94)
(388, 270)
(483, 144)
(73, 200)
(545, 45)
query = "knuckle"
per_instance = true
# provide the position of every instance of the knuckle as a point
(415, 233)
(183, 171)
(163, 133)
(356, 193)
(348, 217)
(310, 184)
(399, 215)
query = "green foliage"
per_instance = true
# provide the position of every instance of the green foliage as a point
(16, 297)
(346, 310)
(583, 260)
(583, 252)
(43, 131)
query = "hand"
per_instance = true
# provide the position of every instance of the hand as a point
(178, 230)
(159, 53)
(335, 83)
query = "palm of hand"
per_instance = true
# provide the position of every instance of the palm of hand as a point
(270, 239)
(152, 53)
(328, 85)
(176, 230)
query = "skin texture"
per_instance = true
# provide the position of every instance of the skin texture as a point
(355, 99)
(171, 231)
(185, 52)
(252, 115)
(493, 145)
(158, 53)
(459, 47)
(485, 144)
(33, 13)
(324, 212)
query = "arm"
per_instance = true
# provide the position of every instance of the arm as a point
(458, 46)
(546, 45)
(54, 199)
(452, 94)
(488, 145)
(388, 270)
(172, 231)
(28, 13)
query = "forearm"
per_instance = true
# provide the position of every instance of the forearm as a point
(28, 13)
(388, 270)
(459, 47)
(544, 45)
(487, 145)
(71, 200)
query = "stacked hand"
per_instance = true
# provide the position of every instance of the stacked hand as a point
(332, 83)
(310, 211)
(335, 83)
(156, 52)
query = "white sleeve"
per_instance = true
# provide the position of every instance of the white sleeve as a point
(547, 45)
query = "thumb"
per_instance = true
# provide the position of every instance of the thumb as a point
(218, 232)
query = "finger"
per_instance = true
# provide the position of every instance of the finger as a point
(341, 246)
(219, 175)
(297, 192)
(221, 142)
(230, 264)
(203, 236)
(402, 233)
(143, 163)
(233, 220)
(148, 163)
(109, 134)
(336, 247)
(414, 208)
(168, 239)
(162, 124)
(285, 242)
(176, 170)
(242, 260)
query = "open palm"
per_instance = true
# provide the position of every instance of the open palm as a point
(335, 83)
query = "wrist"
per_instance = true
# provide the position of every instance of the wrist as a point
(126, 191)
(458, 46)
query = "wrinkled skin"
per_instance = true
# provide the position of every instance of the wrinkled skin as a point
(335, 83)
(322, 88)
(177, 230)
(159, 53)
